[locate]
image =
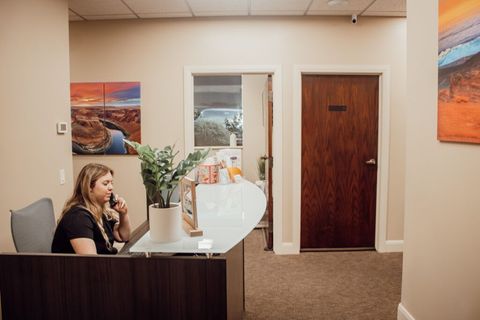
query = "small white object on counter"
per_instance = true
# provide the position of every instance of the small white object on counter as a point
(205, 244)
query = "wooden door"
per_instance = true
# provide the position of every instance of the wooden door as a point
(339, 154)
(269, 163)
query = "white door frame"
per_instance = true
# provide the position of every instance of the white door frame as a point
(277, 134)
(383, 72)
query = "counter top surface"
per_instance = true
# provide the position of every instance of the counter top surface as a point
(226, 215)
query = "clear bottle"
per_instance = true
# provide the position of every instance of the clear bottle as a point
(234, 161)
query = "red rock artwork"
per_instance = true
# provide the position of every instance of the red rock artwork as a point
(459, 71)
(103, 114)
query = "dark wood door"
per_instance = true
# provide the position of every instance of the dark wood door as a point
(269, 163)
(339, 154)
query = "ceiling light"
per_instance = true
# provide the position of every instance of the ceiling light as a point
(337, 2)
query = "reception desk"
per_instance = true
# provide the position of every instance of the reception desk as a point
(206, 285)
(226, 214)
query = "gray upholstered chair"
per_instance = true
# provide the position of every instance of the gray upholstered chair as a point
(33, 227)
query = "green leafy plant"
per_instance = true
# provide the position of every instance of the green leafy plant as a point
(235, 125)
(261, 168)
(159, 173)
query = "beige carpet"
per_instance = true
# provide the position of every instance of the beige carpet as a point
(320, 285)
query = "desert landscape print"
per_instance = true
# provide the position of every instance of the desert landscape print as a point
(459, 71)
(102, 115)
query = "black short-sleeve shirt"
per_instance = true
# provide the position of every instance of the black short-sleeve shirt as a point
(79, 223)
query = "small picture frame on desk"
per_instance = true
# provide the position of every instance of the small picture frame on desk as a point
(188, 201)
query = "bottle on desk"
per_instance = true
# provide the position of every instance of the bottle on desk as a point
(233, 169)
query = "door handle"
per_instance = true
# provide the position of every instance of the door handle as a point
(371, 162)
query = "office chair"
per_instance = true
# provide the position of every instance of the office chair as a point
(33, 227)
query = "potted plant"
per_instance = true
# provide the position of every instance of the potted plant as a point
(261, 173)
(161, 177)
(261, 168)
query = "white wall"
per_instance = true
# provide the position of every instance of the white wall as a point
(441, 278)
(155, 52)
(34, 91)
(254, 134)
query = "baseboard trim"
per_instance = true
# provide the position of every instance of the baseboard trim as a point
(291, 248)
(403, 313)
(286, 248)
(393, 246)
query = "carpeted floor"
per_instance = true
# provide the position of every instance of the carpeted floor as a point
(358, 285)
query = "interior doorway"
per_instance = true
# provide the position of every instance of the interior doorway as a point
(268, 162)
(259, 126)
(339, 157)
(382, 163)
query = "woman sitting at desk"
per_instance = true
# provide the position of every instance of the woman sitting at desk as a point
(92, 219)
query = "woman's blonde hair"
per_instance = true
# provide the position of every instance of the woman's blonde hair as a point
(81, 196)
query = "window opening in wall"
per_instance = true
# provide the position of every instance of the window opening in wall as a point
(218, 112)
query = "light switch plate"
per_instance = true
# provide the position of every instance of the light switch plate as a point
(62, 127)
(61, 175)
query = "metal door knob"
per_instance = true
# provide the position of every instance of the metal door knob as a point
(371, 161)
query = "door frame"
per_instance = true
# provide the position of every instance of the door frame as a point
(277, 134)
(383, 72)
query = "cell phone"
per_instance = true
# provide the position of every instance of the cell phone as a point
(113, 201)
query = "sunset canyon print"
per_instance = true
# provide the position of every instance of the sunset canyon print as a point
(102, 115)
(459, 71)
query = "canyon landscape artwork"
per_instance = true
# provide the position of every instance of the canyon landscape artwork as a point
(102, 115)
(459, 71)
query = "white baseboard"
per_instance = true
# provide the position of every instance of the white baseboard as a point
(403, 314)
(286, 248)
(393, 246)
(291, 248)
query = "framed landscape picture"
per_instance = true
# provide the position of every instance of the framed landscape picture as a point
(188, 202)
(459, 71)
(102, 115)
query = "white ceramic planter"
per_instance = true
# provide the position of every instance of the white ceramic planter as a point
(165, 223)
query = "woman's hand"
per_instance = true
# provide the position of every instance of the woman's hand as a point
(121, 206)
(121, 231)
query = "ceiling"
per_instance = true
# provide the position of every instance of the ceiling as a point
(145, 9)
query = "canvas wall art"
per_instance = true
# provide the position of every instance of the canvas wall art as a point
(459, 71)
(102, 115)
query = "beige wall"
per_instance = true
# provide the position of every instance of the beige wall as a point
(441, 279)
(254, 134)
(155, 52)
(34, 91)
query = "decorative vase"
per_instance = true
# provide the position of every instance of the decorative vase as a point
(165, 223)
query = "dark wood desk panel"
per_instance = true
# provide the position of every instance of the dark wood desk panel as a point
(118, 287)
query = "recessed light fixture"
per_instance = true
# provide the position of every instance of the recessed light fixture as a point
(337, 2)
